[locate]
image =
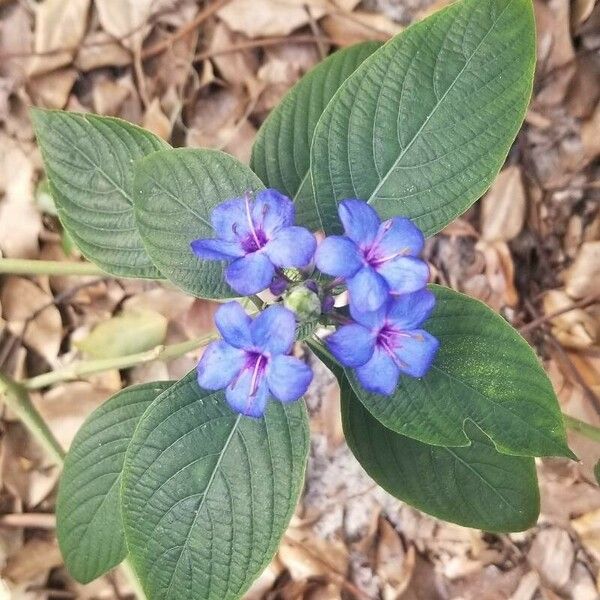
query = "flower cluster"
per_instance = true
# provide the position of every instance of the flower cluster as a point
(378, 262)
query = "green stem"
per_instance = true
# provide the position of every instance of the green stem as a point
(88, 367)
(589, 431)
(21, 266)
(17, 399)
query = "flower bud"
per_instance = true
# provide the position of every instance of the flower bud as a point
(304, 302)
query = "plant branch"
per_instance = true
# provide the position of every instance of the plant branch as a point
(21, 266)
(589, 431)
(88, 367)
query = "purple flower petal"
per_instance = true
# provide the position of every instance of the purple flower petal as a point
(372, 319)
(213, 249)
(291, 247)
(409, 311)
(401, 236)
(272, 210)
(380, 374)
(219, 364)
(250, 274)
(405, 274)
(368, 290)
(234, 325)
(288, 378)
(338, 256)
(416, 352)
(243, 399)
(360, 221)
(230, 220)
(274, 330)
(352, 345)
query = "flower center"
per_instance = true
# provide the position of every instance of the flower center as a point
(388, 340)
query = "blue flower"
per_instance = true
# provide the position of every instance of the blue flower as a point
(383, 344)
(375, 258)
(256, 235)
(252, 360)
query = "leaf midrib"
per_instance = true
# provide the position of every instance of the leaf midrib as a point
(435, 108)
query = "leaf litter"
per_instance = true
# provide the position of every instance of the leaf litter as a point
(207, 74)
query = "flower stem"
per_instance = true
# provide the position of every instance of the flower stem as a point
(257, 302)
(21, 266)
(589, 431)
(88, 367)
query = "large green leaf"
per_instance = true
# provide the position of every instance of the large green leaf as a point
(89, 162)
(423, 126)
(175, 192)
(474, 486)
(484, 372)
(281, 152)
(207, 494)
(89, 525)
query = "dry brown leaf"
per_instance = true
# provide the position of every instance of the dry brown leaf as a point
(582, 9)
(499, 290)
(590, 136)
(263, 18)
(588, 530)
(503, 208)
(58, 24)
(109, 95)
(394, 565)
(359, 26)
(584, 93)
(574, 329)
(125, 19)
(99, 49)
(15, 37)
(156, 121)
(21, 299)
(528, 586)
(582, 278)
(236, 68)
(552, 555)
(52, 89)
(36, 558)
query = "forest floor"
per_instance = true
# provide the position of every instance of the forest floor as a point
(201, 76)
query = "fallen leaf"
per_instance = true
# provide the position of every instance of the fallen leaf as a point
(258, 18)
(125, 20)
(575, 328)
(52, 90)
(503, 207)
(528, 586)
(99, 49)
(236, 68)
(128, 333)
(552, 555)
(21, 299)
(582, 9)
(156, 121)
(58, 25)
(36, 557)
(582, 278)
(394, 565)
(346, 29)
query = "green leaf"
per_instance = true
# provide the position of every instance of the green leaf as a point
(89, 525)
(597, 472)
(423, 126)
(281, 152)
(176, 191)
(474, 486)
(89, 162)
(128, 333)
(484, 372)
(207, 494)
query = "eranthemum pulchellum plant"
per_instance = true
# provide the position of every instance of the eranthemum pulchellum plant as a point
(443, 403)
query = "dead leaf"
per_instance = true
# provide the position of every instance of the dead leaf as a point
(590, 136)
(109, 95)
(528, 586)
(574, 329)
(394, 565)
(58, 24)
(99, 49)
(156, 121)
(582, 278)
(346, 29)
(582, 9)
(236, 68)
(125, 19)
(36, 558)
(503, 208)
(21, 299)
(263, 18)
(52, 90)
(552, 555)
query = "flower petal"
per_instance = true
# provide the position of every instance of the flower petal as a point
(401, 235)
(229, 219)
(291, 247)
(338, 256)
(234, 324)
(408, 311)
(368, 290)
(352, 345)
(380, 374)
(219, 364)
(288, 378)
(372, 319)
(417, 352)
(274, 330)
(405, 274)
(360, 221)
(239, 398)
(251, 274)
(213, 249)
(272, 210)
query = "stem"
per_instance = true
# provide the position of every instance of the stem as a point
(17, 399)
(88, 367)
(589, 431)
(257, 302)
(21, 266)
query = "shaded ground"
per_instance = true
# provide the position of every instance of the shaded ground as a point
(530, 249)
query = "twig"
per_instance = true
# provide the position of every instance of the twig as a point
(167, 43)
(21, 266)
(583, 303)
(88, 367)
(28, 521)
